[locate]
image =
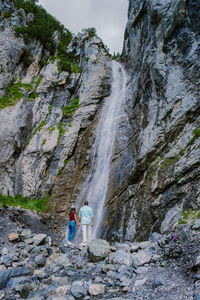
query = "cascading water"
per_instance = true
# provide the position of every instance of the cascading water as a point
(95, 187)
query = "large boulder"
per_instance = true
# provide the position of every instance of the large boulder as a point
(141, 258)
(120, 257)
(98, 250)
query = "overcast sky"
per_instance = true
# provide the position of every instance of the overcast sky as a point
(109, 17)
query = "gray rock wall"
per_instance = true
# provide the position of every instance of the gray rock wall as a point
(37, 139)
(162, 56)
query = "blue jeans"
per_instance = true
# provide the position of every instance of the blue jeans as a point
(72, 229)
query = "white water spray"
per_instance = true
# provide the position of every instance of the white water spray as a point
(95, 187)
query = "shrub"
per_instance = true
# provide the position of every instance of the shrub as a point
(42, 27)
(68, 111)
(14, 93)
(91, 31)
(40, 204)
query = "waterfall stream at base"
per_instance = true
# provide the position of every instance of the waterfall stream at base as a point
(94, 189)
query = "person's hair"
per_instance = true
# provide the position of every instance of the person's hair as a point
(72, 209)
(86, 202)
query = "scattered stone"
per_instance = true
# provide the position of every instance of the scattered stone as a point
(12, 272)
(98, 250)
(120, 257)
(140, 282)
(40, 260)
(13, 237)
(134, 247)
(78, 291)
(141, 258)
(96, 289)
(39, 239)
(108, 267)
(158, 281)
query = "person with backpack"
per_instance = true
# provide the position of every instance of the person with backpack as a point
(86, 219)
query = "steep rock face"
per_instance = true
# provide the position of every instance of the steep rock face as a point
(38, 136)
(162, 55)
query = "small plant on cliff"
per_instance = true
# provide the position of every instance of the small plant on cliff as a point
(40, 204)
(14, 93)
(69, 110)
(61, 131)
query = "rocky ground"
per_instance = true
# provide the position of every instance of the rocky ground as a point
(35, 266)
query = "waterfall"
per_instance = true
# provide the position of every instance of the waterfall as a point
(95, 187)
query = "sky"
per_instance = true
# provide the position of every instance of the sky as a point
(109, 17)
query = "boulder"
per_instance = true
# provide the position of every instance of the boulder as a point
(12, 272)
(96, 289)
(39, 239)
(141, 258)
(40, 260)
(120, 257)
(78, 291)
(98, 250)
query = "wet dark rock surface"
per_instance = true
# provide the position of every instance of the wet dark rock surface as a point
(31, 267)
(156, 167)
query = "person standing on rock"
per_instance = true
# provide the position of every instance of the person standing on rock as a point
(86, 219)
(72, 224)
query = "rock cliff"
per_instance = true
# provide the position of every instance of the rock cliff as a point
(156, 175)
(49, 109)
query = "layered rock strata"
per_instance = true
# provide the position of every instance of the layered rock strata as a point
(155, 175)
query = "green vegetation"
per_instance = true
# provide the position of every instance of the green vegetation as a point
(32, 96)
(14, 93)
(68, 111)
(67, 61)
(42, 27)
(189, 217)
(39, 79)
(51, 129)
(44, 142)
(168, 161)
(51, 108)
(66, 161)
(116, 56)
(41, 204)
(43, 123)
(90, 31)
(7, 15)
(196, 135)
(61, 131)
(59, 172)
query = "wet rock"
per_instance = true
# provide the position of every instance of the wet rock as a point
(98, 250)
(96, 289)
